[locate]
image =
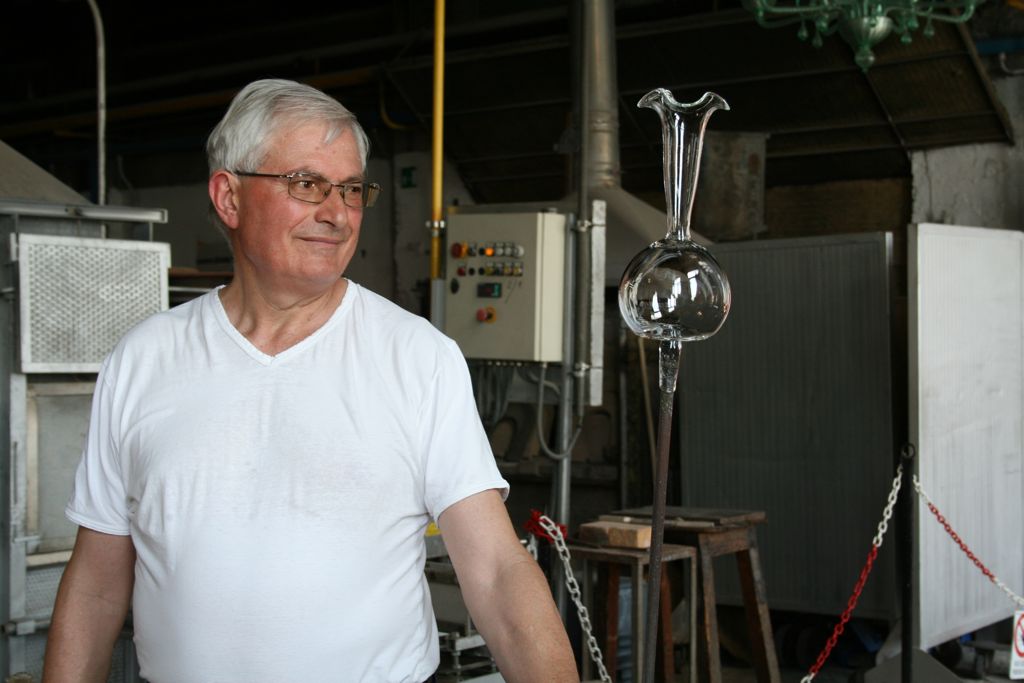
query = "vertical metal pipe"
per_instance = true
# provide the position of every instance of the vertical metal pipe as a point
(562, 481)
(623, 361)
(436, 223)
(601, 95)
(906, 524)
(597, 18)
(599, 163)
(101, 105)
(438, 134)
(670, 352)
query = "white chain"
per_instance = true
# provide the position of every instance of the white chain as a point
(995, 579)
(894, 493)
(574, 593)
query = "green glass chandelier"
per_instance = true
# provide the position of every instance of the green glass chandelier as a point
(862, 23)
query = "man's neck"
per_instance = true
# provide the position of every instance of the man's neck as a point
(274, 321)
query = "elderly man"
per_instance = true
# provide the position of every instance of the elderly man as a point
(262, 462)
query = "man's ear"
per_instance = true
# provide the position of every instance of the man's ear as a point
(224, 197)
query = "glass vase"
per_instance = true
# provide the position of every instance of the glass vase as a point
(674, 291)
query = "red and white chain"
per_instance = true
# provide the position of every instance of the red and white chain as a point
(574, 592)
(963, 546)
(876, 543)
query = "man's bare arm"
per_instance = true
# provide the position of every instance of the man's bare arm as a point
(506, 592)
(92, 603)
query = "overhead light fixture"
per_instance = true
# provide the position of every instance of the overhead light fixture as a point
(862, 23)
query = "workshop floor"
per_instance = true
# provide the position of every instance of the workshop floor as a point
(826, 675)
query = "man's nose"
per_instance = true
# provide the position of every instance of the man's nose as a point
(333, 210)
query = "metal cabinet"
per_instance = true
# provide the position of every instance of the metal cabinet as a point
(69, 294)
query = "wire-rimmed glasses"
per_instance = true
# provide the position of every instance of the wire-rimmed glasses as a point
(314, 189)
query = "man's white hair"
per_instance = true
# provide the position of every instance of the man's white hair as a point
(240, 141)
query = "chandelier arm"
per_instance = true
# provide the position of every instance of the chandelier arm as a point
(968, 12)
(793, 12)
(776, 23)
(774, 16)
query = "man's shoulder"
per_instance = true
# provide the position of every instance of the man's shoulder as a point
(375, 308)
(388, 325)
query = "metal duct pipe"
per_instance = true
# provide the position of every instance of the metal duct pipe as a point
(632, 222)
(601, 92)
(599, 162)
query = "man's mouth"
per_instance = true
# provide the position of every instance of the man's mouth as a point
(322, 239)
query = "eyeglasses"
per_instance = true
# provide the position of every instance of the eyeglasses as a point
(312, 188)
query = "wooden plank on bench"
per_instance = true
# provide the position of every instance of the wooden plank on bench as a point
(616, 534)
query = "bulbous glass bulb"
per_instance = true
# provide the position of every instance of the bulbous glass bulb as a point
(674, 290)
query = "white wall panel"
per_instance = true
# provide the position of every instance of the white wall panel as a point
(966, 344)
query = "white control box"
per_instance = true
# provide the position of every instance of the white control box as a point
(505, 284)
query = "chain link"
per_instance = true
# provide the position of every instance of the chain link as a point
(574, 592)
(876, 543)
(963, 546)
(894, 493)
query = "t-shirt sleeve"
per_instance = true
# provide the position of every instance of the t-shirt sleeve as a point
(98, 499)
(458, 460)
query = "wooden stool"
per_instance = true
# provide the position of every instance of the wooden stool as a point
(610, 561)
(715, 533)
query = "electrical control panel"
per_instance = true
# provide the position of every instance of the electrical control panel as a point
(505, 285)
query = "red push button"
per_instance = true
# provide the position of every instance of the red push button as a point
(486, 315)
(458, 250)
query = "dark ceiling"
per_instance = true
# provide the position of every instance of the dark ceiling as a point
(510, 86)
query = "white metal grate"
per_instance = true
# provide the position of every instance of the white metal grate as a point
(41, 590)
(78, 296)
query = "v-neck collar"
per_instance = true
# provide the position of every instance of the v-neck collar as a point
(265, 359)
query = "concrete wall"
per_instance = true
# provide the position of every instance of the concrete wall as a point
(977, 185)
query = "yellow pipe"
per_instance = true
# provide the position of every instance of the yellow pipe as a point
(438, 146)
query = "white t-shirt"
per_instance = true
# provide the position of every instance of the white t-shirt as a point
(278, 503)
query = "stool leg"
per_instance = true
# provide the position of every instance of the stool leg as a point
(707, 573)
(758, 620)
(668, 669)
(637, 636)
(694, 637)
(611, 633)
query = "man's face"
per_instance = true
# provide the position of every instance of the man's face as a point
(288, 244)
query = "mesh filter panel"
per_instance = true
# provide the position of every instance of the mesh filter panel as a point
(78, 296)
(41, 590)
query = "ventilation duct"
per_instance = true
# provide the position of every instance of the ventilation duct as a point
(631, 222)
